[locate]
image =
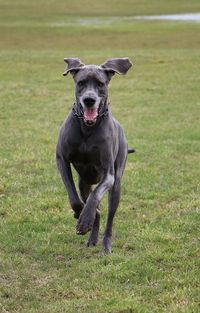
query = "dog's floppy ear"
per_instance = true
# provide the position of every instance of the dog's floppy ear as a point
(73, 65)
(116, 65)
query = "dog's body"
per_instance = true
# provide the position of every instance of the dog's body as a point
(94, 143)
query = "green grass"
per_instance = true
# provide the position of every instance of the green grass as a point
(44, 266)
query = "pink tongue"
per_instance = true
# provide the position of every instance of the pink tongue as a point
(90, 114)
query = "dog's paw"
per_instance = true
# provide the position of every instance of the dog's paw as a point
(84, 225)
(107, 245)
(93, 239)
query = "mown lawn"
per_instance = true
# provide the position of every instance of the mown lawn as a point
(44, 265)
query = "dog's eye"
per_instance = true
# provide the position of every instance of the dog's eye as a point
(100, 84)
(81, 83)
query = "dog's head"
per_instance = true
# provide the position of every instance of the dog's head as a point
(91, 84)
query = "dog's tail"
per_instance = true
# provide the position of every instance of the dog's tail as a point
(131, 150)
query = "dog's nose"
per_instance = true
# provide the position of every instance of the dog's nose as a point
(89, 101)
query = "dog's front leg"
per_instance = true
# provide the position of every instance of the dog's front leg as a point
(87, 217)
(66, 174)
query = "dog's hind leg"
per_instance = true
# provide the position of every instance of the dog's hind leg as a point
(113, 199)
(84, 189)
(84, 193)
(93, 239)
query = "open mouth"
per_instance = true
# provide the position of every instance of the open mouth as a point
(90, 116)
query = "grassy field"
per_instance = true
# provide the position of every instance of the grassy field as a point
(155, 265)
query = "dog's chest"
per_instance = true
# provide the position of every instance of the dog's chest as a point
(85, 154)
(87, 162)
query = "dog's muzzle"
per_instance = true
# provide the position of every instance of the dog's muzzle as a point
(90, 110)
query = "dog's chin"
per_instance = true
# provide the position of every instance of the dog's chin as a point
(90, 123)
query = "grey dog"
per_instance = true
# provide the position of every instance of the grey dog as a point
(94, 143)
